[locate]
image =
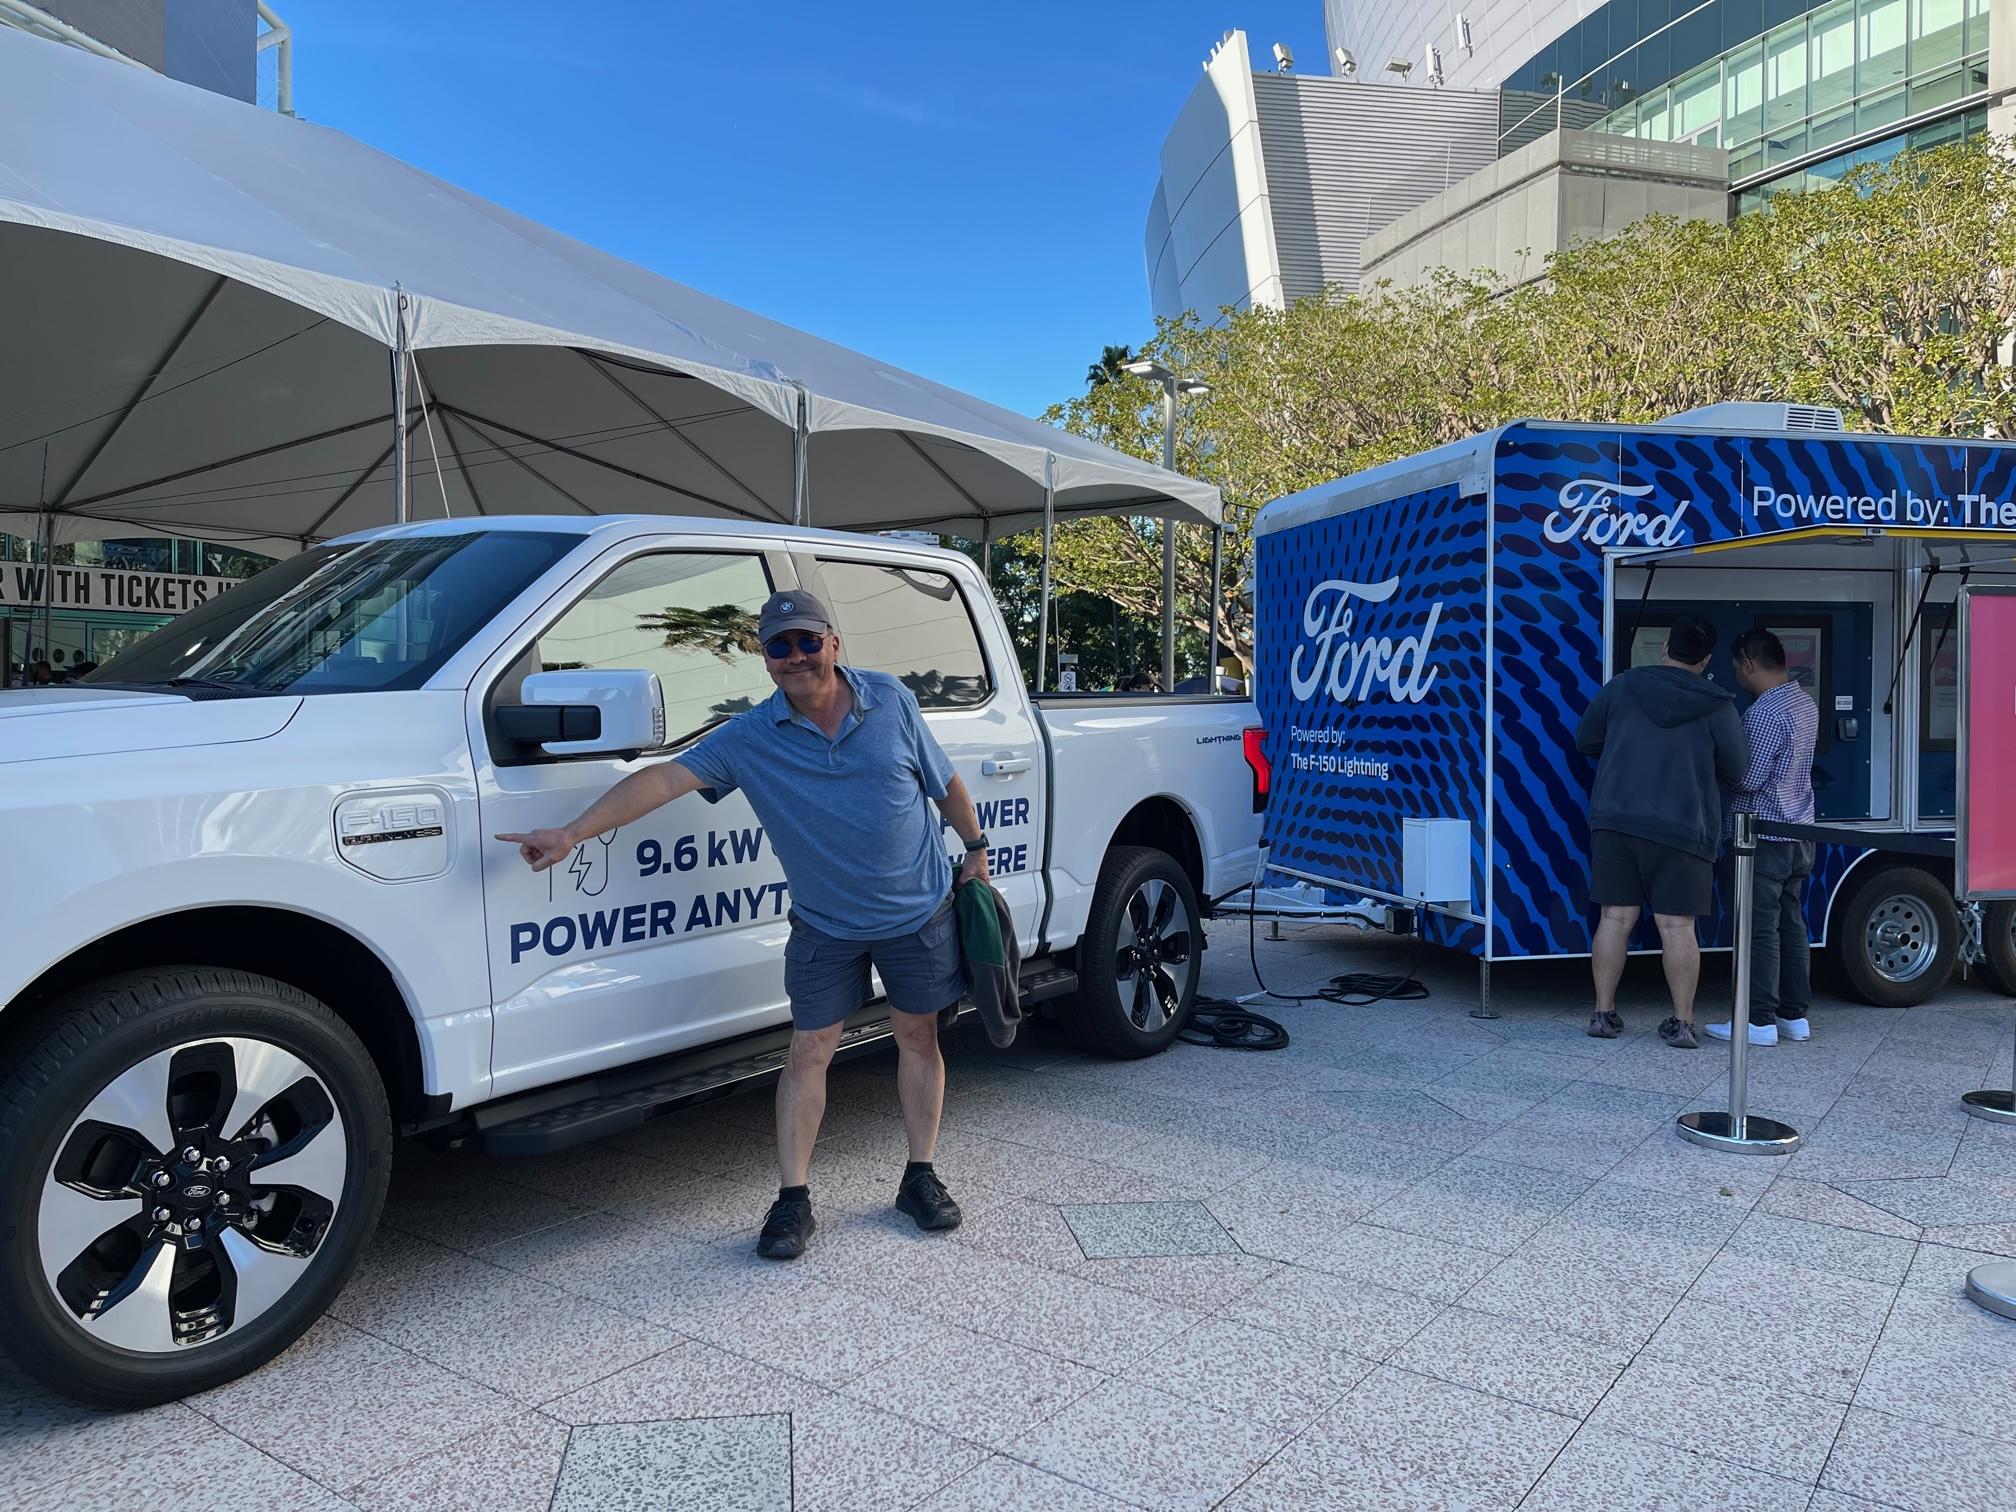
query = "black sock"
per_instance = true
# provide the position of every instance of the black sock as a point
(794, 1194)
(914, 1167)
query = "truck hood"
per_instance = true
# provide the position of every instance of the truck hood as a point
(47, 724)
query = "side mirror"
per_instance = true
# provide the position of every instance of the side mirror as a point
(587, 712)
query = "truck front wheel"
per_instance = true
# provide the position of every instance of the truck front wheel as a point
(1139, 958)
(194, 1159)
(1898, 938)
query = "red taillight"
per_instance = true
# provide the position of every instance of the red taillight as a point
(1255, 745)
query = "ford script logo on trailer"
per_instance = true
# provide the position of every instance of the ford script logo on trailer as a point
(1351, 670)
(1591, 512)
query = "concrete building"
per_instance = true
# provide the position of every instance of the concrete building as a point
(1785, 95)
(1566, 187)
(1270, 182)
(239, 48)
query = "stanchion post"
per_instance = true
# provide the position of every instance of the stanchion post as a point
(1992, 1104)
(1736, 1129)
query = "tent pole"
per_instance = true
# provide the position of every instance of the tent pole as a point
(1043, 608)
(399, 502)
(800, 503)
(1217, 587)
(1169, 541)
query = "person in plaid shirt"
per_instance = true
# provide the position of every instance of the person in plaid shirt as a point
(1783, 724)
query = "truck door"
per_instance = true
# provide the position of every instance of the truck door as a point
(1828, 652)
(919, 625)
(670, 932)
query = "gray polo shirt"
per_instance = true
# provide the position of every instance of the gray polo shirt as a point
(848, 817)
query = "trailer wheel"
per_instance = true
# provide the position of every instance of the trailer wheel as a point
(1898, 938)
(1139, 958)
(194, 1160)
(1998, 946)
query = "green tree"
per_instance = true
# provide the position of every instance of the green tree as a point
(1110, 366)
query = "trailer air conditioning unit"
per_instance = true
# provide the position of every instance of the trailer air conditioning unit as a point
(1749, 415)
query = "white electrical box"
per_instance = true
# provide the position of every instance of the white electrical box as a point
(1435, 860)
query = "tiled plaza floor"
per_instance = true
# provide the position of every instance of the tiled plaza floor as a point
(1417, 1260)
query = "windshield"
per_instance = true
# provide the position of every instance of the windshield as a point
(352, 618)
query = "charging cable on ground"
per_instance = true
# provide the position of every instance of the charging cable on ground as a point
(1227, 1025)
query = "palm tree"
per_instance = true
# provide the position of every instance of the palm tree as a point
(1110, 366)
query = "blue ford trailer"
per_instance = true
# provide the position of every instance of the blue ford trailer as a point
(1430, 631)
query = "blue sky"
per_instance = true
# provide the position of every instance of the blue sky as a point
(959, 189)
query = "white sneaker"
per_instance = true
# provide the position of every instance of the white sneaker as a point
(1760, 1034)
(1795, 1029)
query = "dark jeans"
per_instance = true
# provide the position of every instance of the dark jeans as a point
(1781, 974)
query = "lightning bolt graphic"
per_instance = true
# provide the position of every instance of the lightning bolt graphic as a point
(579, 868)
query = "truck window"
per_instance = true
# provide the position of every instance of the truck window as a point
(912, 623)
(688, 616)
(351, 617)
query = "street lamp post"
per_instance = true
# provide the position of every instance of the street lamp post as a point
(1171, 386)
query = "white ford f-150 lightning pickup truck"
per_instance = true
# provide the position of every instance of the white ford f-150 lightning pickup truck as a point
(253, 925)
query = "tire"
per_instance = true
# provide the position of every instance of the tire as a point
(1899, 936)
(1119, 1011)
(209, 1271)
(1998, 947)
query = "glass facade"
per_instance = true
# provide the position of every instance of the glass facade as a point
(1770, 80)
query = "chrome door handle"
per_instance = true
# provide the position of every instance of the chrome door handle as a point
(1005, 766)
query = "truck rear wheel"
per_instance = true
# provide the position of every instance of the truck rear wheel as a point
(194, 1160)
(1899, 935)
(1998, 946)
(1139, 958)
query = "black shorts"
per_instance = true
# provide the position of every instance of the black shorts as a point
(1626, 871)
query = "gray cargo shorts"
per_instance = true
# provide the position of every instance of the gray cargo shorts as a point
(826, 977)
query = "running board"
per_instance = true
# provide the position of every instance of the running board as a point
(597, 1107)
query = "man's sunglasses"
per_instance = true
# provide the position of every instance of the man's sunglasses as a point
(779, 647)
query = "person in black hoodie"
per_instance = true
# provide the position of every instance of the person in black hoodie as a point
(1667, 740)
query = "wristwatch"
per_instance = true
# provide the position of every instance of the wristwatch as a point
(974, 845)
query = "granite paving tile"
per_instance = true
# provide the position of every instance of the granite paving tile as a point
(212, 1472)
(1139, 1230)
(1001, 1484)
(974, 1387)
(1998, 1239)
(1345, 1313)
(849, 1457)
(344, 1407)
(1840, 1148)
(1818, 1202)
(1772, 1241)
(1588, 1300)
(1518, 1360)
(1603, 1471)
(1849, 1300)
(459, 1199)
(1944, 1267)
(1943, 1201)
(1018, 1229)
(1278, 1381)
(693, 1381)
(1199, 1283)
(511, 1467)
(1773, 1345)
(1072, 1318)
(510, 1332)
(1665, 1162)
(46, 1438)
(1402, 1441)
(1921, 1467)
(1652, 1400)
(824, 1335)
(707, 1465)
(1141, 1444)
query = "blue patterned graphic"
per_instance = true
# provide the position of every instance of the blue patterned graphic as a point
(1561, 499)
(1348, 770)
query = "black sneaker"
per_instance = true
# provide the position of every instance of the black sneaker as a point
(1605, 1025)
(1680, 1036)
(924, 1198)
(787, 1227)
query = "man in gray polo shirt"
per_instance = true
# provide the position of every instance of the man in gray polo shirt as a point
(838, 764)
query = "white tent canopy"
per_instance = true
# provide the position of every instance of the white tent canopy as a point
(199, 303)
